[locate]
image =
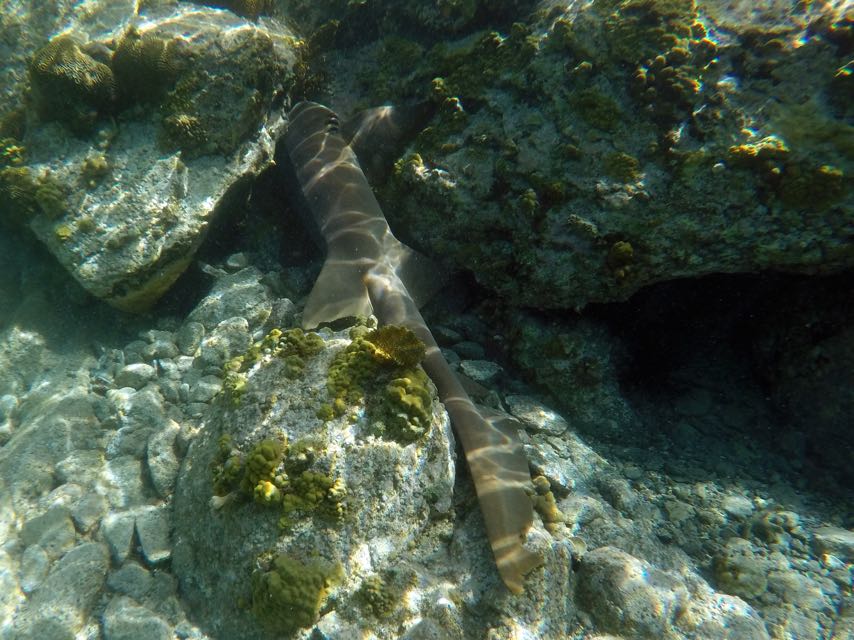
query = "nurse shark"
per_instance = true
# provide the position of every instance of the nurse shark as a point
(369, 271)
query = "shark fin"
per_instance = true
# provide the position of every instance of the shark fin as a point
(421, 276)
(338, 293)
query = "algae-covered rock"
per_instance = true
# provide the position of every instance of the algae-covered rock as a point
(636, 124)
(193, 91)
(278, 508)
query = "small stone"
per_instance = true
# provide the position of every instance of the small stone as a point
(535, 415)
(34, 565)
(482, 371)
(153, 527)
(189, 337)
(124, 619)
(163, 464)
(135, 375)
(117, 529)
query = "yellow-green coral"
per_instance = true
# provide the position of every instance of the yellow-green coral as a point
(288, 595)
(403, 410)
(622, 166)
(382, 367)
(23, 195)
(261, 464)
(313, 492)
(377, 596)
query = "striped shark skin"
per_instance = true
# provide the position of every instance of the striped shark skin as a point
(367, 270)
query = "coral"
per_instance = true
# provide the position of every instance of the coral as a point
(313, 492)
(296, 347)
(22, 195)
(622, 166)
(381, 366)
(227, 468)
(621, 255)
(69, 85)
(403, 410)
(287, 596)
(185, 132)
(261, 464)
(396, 346)
(144, 67)
(94, 169)
(545, 503)
(12, 153)
(377, 596)
(597, 109)
(309, 74)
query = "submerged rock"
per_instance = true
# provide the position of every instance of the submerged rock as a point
(272, 492)
(124, 202)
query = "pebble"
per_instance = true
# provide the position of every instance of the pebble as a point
(153, 527)
(135, 375)
(536, 416)
(482, 371)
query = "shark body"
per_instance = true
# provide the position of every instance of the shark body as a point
(367, 270)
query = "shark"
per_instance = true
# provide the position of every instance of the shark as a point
(368, 271)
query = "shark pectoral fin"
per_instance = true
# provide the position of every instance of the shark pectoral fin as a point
(422, 277)
(338, 292)
(501, 478)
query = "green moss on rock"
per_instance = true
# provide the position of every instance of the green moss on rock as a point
(288, 595)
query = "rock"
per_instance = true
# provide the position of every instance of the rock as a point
(127, 246)
(481, 371)
(131, 579)
(117, 529)
(53, 531)
(126, 620)
(122, 482)
(240, 294)
(162, 461)
(59, 608)
(34, 567)
(628, 597)
(189, 337)
(391, 490)
(536, 416)
(81, 466)
(227, 339)
(740, 570)
(205, 389)
(836, 541)
(88, 510)
(154, 528)
(135, 375)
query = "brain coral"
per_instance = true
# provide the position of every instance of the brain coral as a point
(69, 85)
